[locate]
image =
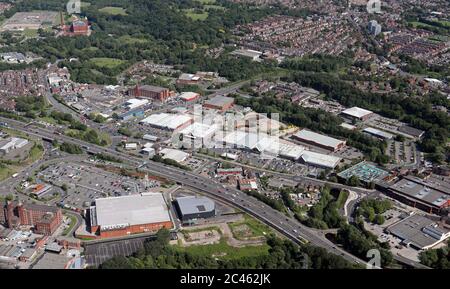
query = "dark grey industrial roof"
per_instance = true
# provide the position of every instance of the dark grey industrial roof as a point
(220, 100)
(194, 205)
(413, 230)
(411, 131)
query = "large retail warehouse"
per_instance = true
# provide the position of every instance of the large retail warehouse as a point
(126, 215)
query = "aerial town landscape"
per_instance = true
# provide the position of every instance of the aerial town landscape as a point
(225, 134)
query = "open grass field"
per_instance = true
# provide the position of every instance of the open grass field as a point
(253, 228)
(417, 24)
(113, 10)
(195, 15)
(107, 62)
(224, 251)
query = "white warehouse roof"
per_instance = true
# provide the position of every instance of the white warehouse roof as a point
(318, 138)
(134, 102)
(321, 160)
(264, 144)
(199, 130)
(357, 112)
(131, 210)
(176, 155)
(167, 121)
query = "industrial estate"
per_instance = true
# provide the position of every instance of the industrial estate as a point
(221, 131)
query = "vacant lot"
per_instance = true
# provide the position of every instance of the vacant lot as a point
(224, 251)
(219, 240)
(248, 229)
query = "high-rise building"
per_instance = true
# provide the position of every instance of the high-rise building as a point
(374, 28)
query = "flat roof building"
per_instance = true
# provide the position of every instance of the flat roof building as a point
(230, 171)
(13, 143)
(319, 140)
(173, 154)
(418, 193)
(263, 143)
(189, 96)
(135, 103)
(252, 54)
(219, 102)
(198, 134)
(167, 121)
(419, 232)
(195, 207)
(133, 214)
(320, 160)
(358, 113)
(188, 79)
(248, 184)
(414, 132)
(365, 172)
(378, 133)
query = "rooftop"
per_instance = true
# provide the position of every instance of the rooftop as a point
(52, 261)
(318, 138)
(379, 133)
(419, 231)
(176, 155)
(165, 120)
(320, 159)
(134, 101)
(417, 189)
(188, 95)
(131, 210)
(199, 130)
(247, 53)
(194, 204)
(220, 101)
(357, 112)
(364, 171)
(153, 88)
(411, 131)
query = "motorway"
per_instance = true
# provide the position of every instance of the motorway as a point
(287, 226)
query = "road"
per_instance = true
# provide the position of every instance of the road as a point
(79, 220)
(287, 226)
(295, 178)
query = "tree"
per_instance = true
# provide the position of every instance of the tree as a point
(353, 181)
(379, 219)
